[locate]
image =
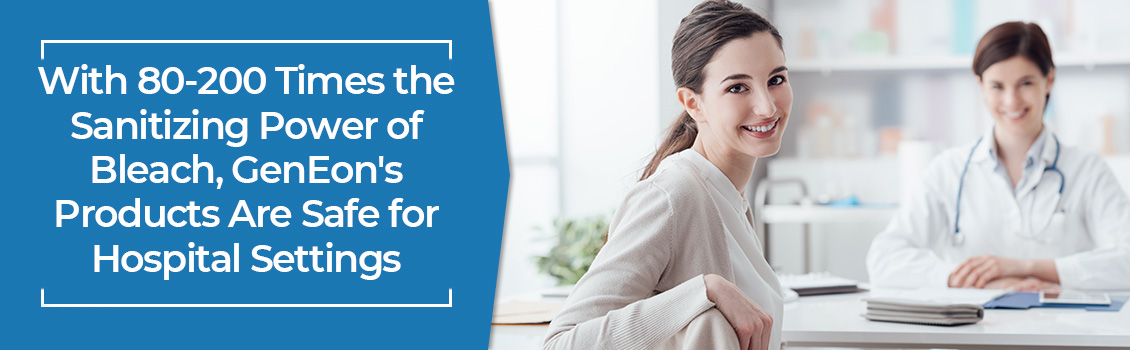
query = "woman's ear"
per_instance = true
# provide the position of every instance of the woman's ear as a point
(1051, 79)
(691, 102)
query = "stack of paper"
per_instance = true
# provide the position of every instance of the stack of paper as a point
(922, 312)
(941, 295)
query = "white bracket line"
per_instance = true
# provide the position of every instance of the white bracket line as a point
(43, 43)
(43, 303)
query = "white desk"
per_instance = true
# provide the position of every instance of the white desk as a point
(517, 337)
(835, 321)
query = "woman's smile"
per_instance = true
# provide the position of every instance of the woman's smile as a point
(1015, 115)
(761, 130)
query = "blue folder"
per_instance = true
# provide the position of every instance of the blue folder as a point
(1025, 300)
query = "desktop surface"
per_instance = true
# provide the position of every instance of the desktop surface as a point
(835, 321)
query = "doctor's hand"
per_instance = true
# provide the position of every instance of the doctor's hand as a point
(979, 271)
(751, 323)
(1021, 284)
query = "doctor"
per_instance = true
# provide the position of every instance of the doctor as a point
(1016, 208)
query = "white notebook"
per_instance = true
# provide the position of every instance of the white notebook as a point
(814, 280)
(818, 283)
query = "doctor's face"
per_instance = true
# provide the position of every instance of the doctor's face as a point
(746, 98)
(1016, 92)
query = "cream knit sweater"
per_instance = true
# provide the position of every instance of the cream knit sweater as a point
(646, 283)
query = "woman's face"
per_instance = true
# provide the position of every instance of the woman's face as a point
(1015, 91)
(746, 98)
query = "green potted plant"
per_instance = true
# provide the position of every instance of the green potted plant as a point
(578, 241)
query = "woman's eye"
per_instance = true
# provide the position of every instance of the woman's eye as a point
(777, 80)
(997, 87)
(739, 88)
(1027, 83)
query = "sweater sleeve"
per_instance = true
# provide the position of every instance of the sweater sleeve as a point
(615, 305)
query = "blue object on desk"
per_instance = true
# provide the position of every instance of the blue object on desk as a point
(850, 200)
(1025, 300)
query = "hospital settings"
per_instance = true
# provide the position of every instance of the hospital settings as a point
(196, 258)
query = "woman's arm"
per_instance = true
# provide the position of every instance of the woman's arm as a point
(983, 271)
(752, 325)
(614, 305)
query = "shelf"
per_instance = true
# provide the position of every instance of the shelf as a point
(800, 214)
(866, 64)
(890, 63)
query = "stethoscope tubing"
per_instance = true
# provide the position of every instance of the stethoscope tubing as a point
(960, 238)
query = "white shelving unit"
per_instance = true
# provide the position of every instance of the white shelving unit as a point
(895, 63)
(803, 214)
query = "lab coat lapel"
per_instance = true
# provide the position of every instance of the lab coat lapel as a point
(1037, 173)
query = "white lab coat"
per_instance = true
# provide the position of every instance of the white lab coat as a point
(1088, 236)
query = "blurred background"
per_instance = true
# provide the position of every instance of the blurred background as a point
(880, 87)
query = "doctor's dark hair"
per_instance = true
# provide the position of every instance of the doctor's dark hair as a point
(1012, 39)
(708, 27)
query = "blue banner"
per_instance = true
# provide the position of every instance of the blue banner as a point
(250, 175)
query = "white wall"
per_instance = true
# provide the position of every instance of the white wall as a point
(525, 40)
(579, 92)
(609, 107)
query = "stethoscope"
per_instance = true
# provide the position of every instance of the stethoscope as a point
(959, 238)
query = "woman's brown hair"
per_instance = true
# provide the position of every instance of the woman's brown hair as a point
(708, 27)
(1012, 39)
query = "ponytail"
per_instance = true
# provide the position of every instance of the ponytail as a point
(680, 137)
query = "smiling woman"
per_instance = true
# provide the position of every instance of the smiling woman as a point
(741, 99)
(1015, 209)
(683, 267)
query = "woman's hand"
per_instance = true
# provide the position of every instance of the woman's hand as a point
(979, 271)
(1020, 284)
(751, 323)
